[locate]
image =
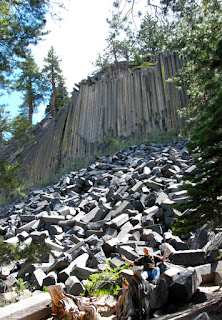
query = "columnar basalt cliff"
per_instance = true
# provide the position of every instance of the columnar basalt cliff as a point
(118, 103)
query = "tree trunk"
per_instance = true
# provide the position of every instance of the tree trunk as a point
(53, 100)
(134, 303)
(30, 112)
(52, 106)
(30, 103)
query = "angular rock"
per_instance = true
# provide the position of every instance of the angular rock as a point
(208, 271)
(110, 246)
(36, 307)
(50, 280)
(184, 286)
(121, 209)
(128, 252)
(124, 231)
(188, 257)
(80, 260)
(74, 286)
(83, 273)
(95, 214)
(171, 274)
(119, 220)
(37, 278)
(97, 258)
(62, 262)
(152, 237)
(116, 262)
(159, 296)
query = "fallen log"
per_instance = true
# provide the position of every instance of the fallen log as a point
(68, 307)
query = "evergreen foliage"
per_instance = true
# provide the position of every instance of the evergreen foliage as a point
(35, 252)
(61, 97)
(22, 24)
(10, 182)
(200, 43)
(4, 124)
(153, 35)
(18, 127)
(55, 80)
(30, 83)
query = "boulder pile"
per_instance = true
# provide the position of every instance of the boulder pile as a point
(116, 206)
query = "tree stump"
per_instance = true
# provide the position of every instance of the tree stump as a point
(134, 303)
(68, 307)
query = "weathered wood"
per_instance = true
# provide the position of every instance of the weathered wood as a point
(68, 307)
(134, 303)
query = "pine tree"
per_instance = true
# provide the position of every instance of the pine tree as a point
(153, 35)
(4, 125)
(19, 127)
(61, 98)
(30, 83)
(53, 75)
(22, 24)
(199, 41)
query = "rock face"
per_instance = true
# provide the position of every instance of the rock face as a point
(120, 103)
(114, 207)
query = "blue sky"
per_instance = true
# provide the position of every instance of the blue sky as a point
(77, 40)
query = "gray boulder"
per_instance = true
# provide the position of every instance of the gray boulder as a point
(188, 257)
(159, 296)
(74, 286)
(184, 286)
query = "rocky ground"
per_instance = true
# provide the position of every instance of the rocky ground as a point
(117, 206)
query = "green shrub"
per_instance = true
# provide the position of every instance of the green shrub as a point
(106, 282)
(11, 185)
(20, 286)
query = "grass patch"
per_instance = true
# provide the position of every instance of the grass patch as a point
(145, 65)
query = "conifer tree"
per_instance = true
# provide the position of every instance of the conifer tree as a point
(153, 35)
(22, 23)
(4, 124)
(61, 97)
(54, 77)
(30, 83)
(198, 40)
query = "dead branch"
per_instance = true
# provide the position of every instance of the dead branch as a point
(68, 307)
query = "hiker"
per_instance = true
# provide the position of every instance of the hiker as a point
(148, 262)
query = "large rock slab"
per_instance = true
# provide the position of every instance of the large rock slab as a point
(34, 308)
(184, 286)
(188, 257)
